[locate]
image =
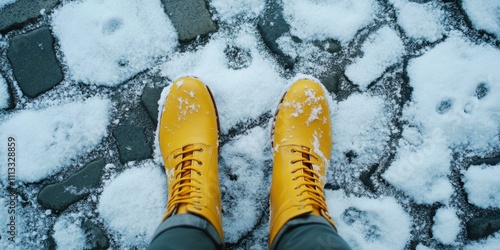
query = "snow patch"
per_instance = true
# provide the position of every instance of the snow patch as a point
(361, 125)
(68, 234)
(381, 50)
(319, 20)
(420, 20)
(4, 3)
(4, 93)
(484, 14)
(367, 223)
(47, 140)
(446, 225)
(133, 218)
(233, 12)
(482, 185)
(105, 42)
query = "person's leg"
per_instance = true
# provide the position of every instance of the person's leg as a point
(301, 150)
(188, 138)
(309, 232)
(185, 231)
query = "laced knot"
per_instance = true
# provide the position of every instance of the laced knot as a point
(187, 185)
(308, 180)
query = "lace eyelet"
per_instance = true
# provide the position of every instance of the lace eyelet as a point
(201, 150)
(292, 150)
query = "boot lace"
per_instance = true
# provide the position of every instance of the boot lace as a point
(309, 185)
(186, 187)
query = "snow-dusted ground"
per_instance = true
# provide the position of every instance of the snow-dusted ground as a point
(417, 104)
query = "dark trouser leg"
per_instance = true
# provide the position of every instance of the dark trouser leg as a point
(308, 232)
(185, 231)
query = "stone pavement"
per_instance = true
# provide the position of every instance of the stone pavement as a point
(31, 65)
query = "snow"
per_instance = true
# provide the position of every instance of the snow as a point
(232, 12)
(414, 150)
(105, 42)
(482, 186)
(360, 125)
(68, 233)
(422, 171)
(48, 139)
(381, 50)
(4, 93)
(319, 20)
(484, 14)
(4, 3)
(235, 91)
(446, 225)
(463, 101)
(369, 223)
(133, 218)
(450, 110)
(420, 20)
(241, 156)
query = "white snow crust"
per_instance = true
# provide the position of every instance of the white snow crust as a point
(105, 42)
(484, 14)
(369, 223)
(381, 50)
(360, 124)
(482, 185)
(231, 11)
(133, 218)
(446, 225)
(451, 110)
(4, 93)
(4, 3)
(68, 234)
(420, 20)
(48, 139)
(319, 20)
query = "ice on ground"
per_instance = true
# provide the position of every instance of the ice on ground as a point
(4, 93)
(4, 3)
(133, 218)
(421, 167)
(105, 42)
(446, 225)
(490, 243)
(234, 11)
(68, 234)
(482, 185)
(456, 87)
(420, 20)
(318, 20)
(484, 14)
(367, 223)
(240, 94)
(47, 140)
(244, 177)
(361, 125)
(382, 49)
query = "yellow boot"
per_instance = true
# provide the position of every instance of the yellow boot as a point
(301, 146)
(188, 135)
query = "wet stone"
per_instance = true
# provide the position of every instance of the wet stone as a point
(96, 237)
(479, 228)
(34, 61)
(20, 12)
(329, 45)
(61, 195)
(190, 18)
(131, 140)
(331, 80)
(6, 97)
(272, 26)
(149, 99)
